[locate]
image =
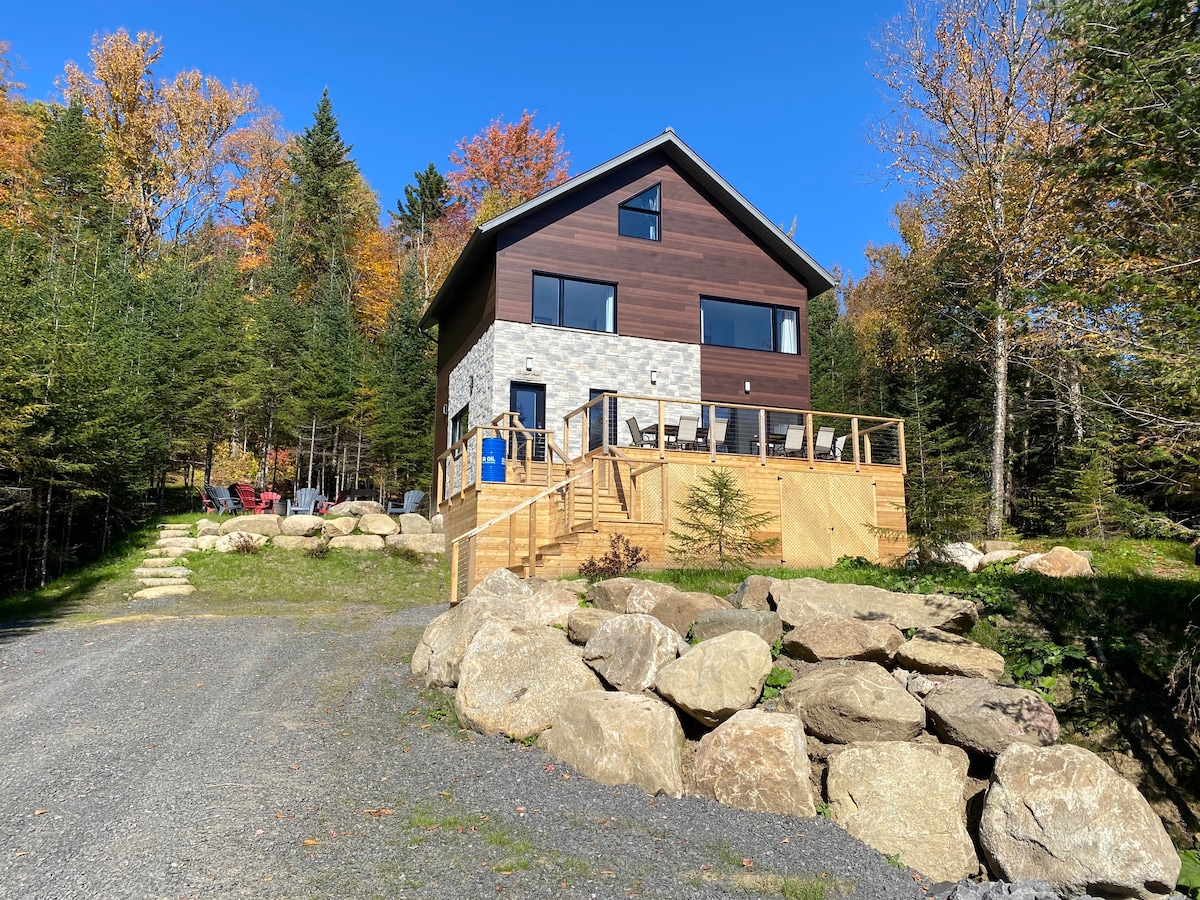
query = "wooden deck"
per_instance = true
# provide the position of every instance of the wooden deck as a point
(548, 517)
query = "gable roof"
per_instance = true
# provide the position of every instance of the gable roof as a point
(796, 260)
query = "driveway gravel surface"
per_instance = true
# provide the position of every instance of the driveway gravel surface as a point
(156, 756)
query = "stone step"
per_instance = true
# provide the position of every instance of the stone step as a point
(161, 582)
(169, 552)
(176, 542)
(165, 592)
(158, 562)
(163, 572)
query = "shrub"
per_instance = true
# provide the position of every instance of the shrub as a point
(245, 544)
(717, 525)
(318, 550)
(621, 559)
(408, 554)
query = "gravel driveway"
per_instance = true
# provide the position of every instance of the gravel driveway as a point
(259, 757)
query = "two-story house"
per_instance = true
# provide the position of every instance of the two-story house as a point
(649, 288)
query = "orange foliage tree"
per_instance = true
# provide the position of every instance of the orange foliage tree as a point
(18, 133)
(258, 161)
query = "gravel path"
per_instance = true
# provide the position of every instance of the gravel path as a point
(266, 757)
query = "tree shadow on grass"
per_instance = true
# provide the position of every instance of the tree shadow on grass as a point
(24, 613)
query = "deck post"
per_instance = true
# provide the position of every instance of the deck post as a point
(512, 541)
(867, 448)
(453, 573)
(439, 485)
(762, 436)
(854, 432)
(903, 454)
(604, 423)
(662, 429)
(478, 459)
(595, 499)
(712, 420)
(532, 564)
(471, 542)
(808, 437)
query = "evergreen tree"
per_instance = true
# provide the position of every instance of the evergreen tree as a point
(717, 525)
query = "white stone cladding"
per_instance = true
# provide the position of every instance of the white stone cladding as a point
(471, 382)
(570, 362)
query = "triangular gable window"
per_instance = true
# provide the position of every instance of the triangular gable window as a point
(639, 216)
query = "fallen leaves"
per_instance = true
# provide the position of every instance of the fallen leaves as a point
(309, 842)
(381, 811)
(40, 812)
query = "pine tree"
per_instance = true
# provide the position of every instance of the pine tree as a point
(717, 526)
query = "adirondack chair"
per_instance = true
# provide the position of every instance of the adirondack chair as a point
(222, 501)
(304, 503)
(412, 499)
(205, 503)
(249, 502)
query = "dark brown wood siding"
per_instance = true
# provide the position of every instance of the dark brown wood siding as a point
(702, 252)
(473, 316)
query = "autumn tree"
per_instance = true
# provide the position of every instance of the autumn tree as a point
(165, 139)
(980, 94)
(258, 171)
(18, 134)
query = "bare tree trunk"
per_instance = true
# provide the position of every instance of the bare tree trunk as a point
(312, 449)
(1000, 354)
(1075, 398)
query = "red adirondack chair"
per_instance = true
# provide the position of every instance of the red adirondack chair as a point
(249, 502)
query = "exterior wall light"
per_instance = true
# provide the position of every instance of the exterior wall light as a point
(654, 376)
(529, 364)
(747, 387)
(445, 409)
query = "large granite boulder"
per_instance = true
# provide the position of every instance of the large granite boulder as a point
(412, 523)
(753, 593)
(840, 637)
(679, 610)
(206, 541)
(421, 543)
(296, 542)
(712, 622)
(905, 799)
(301, 525)
(552, 604)
(961, 554)
(378, 523)
(858, 701)
(717, 677)
(266, 524)
(628, 651)
(941, 653)
(984, 717)
(235, 541)
(513, 679)
(583, 622)
(1062, 815)
(756, 760)
(618, 738)
(357, 508)
(1059, 562)
(997, 556)
(356, 542)
(635, 595)
(502, 583)
(342, 525)
(860, 601)
(207, 526)
(437, 523)
(439, 652)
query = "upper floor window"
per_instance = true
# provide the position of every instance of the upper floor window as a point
(639, 216)
(574, 303)
(748, 326)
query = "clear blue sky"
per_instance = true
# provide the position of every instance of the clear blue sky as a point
(776, 96)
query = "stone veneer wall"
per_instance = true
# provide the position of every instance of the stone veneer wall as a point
(570, 362)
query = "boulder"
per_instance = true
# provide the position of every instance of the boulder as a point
(941, 653)
(1062, 815)
(422, 543)
(857, 701)
(165, 592)
(502, 583)
(961, 554)
(412, 523)
(905, 799)
(552, 603)
(756, 760)
(717, 677)
(753, 593)
(583, 622)
(296, 542)
(999, 556)
(679, 610)
(228, 543)
(185, 542)
(634, 595)
(985, 718)
(1060, 562)
(377, 523)
(995, 546)
(207, 542)
(438, 654)
(161, 571)
(712, 622)
(618, 738)
(266, 524)
(157, 562)
(840, 637)
(513, 679)
(628, 651)
(860, 601)
(437, 523)
(357, 508)
(207, 526)
(356, 542)
(341, 526)
(301, 525)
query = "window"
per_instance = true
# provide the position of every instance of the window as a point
(459, 426)
(748, 326)
(573, 303)
(639, 216)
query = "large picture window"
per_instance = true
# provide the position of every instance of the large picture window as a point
(574, 303)
(639, 216)
(749, 326)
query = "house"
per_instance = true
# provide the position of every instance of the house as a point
(645, 289)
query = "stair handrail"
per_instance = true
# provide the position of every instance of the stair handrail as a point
(524, 504)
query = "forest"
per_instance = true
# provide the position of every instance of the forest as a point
(189, 293)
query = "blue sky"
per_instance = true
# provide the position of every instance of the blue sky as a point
(776, 96)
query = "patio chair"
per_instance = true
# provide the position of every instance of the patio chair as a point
(412, 499)
(793, 442)
(205, 503)
(639, 438)
(249, 502)
(222, 501)
(823, 443)
(716, 434)
(304, 503)
(685, 437)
